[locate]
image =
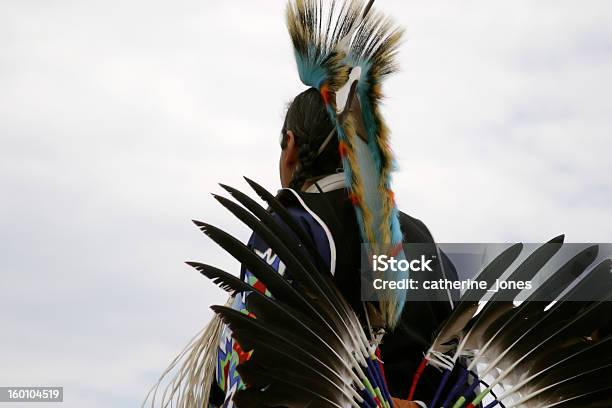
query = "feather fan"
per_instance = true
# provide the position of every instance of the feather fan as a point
(309, 349)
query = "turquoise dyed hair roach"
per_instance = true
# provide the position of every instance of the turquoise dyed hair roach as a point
(329, 41)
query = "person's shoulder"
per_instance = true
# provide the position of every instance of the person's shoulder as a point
(414, 230)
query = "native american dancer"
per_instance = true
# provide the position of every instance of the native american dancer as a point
(295, 331)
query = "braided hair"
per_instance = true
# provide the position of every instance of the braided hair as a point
(308, 119)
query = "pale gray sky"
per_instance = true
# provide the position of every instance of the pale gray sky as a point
(118, 118)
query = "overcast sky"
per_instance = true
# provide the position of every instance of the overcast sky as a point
(117, 118)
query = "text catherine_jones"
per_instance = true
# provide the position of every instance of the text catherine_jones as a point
(384, 263)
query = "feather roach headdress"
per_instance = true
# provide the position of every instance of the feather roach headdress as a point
(345, 50)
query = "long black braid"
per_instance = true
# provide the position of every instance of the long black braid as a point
(309, 121)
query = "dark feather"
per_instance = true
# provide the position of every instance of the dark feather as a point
(300, 250)
(269, 277)
(454, 325)
(284, 215)
(304, 272)
(223, 279)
